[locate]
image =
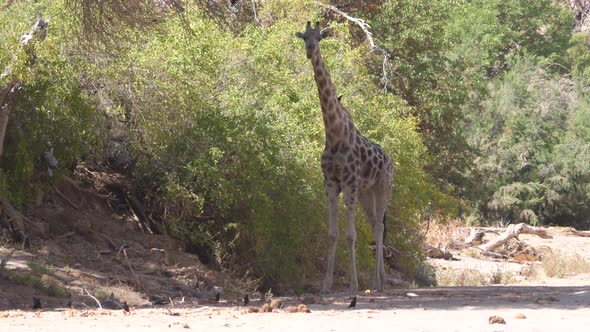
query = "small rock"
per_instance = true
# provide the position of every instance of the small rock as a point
(186, 326)
(496, 320)
(520, 316)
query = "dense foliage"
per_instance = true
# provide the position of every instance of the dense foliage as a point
(483, 103)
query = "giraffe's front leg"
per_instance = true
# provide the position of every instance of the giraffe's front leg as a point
(378, 232)
(379, 277)
(332, 192)
(350, 196)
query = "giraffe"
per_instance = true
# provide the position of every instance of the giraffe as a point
(352, 165)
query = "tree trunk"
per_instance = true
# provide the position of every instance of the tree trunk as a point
(15, 220)
(7, 95)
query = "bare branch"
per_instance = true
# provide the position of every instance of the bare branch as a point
(358, 21)
(365, 28)
(581, 9)
(254, 11)
(139, 287)
(107, 22)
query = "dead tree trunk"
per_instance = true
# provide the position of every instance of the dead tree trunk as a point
(7, 97)
(512, 231)
(8, 93)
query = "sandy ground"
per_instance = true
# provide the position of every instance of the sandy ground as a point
(547, 308)
(545, 304)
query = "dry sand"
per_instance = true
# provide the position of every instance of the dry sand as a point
(546, 308)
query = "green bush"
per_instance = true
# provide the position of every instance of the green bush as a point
(224, 129)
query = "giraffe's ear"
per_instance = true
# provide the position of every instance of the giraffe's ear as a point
(325, 33)
(299, 35)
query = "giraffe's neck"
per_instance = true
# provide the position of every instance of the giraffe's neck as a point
(337, 122)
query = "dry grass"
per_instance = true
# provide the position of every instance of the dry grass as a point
(470, 277)
(532, 271)
(558, 265)
(443, 234)
(470, 253)
(502, 277)
(122, 293)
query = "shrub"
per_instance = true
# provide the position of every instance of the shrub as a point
(559, 265)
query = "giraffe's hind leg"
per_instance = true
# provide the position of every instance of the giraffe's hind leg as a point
(372, 203)
(332, 192)
(350, 199)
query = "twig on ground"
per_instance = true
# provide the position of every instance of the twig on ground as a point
(132, 271)
(162, 251)
(92, 297)
(121, 248)
(68, 234)
(62, 195)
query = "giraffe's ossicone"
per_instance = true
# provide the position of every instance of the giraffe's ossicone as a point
(352, 165)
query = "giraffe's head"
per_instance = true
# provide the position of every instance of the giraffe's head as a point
(311, 37)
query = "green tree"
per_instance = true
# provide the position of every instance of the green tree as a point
(526, 172)
(421, 73)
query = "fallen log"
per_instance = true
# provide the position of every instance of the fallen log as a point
(580, 233)
(513, 231)
(477, 234)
